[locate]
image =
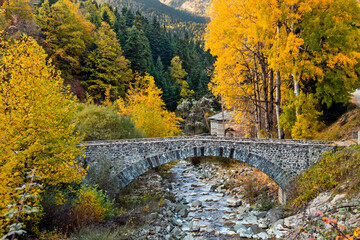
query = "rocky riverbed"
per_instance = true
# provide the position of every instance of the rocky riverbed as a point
(206, 207)
(207, 202)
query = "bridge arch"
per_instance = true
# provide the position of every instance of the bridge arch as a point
(259, 162)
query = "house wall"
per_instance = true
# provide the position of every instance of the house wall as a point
(213, 128)
(220, 128)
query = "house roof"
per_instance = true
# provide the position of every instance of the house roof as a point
(228, 116)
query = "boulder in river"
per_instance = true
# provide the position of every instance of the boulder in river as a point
(196, 204)
(234, 202)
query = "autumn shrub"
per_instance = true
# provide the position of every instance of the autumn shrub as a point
(144, 105)
(103, 123)
(56, 202)
(91, 206)
(328, 224)
(332, 170)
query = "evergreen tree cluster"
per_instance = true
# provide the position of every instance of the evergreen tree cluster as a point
(97, 47)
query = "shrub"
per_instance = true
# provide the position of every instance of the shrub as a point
(103, 123)
(96, 233)
(56, 202)
(91, 206)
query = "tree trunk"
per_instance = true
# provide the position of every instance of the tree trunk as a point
(271, 100)
(258, 101)
(278, 95)
(265, 95)
(278, 101)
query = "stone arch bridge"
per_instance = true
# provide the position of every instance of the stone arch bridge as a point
(282, 160)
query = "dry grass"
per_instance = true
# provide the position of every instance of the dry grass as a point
(342, 129)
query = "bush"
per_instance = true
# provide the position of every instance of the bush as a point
(56, 202)
(91, 206)
(96, 233)
(331, 171)
(103, 123)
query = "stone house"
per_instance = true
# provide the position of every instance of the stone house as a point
(218, 121)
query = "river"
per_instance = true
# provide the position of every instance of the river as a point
(206, 209)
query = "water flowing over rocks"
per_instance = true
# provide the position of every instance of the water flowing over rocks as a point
(206, 208)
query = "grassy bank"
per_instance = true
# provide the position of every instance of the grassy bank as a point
(338, 171)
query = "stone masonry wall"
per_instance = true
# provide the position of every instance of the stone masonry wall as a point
(280, 159)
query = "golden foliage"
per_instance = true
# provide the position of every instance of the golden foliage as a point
(37, 125)
(90, 207)
(147, 109)
(297, 38)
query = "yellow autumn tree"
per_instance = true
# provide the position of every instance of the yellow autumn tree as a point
(144, 104)
(36, 123)
(267, 48)
(177, 73)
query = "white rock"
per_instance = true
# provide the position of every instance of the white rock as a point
(188, 237)
(261, 235)
(196, 204)
(249, 220)
(337, 198)
(262, 224)
(234, 202)
(239, 226)
(247, 233)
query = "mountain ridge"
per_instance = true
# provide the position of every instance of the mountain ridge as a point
(198, 7)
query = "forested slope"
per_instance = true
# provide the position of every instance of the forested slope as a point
(177, 21)
(97, 48)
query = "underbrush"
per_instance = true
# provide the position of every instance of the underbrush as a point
(334, 169)
(342, 128)
(99, 208)
(103, 123)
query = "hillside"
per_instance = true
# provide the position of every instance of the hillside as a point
(197, 7)
(175, 20)
(343, 128)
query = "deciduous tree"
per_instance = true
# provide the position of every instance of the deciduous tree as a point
(37, 122)
(146, 108)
